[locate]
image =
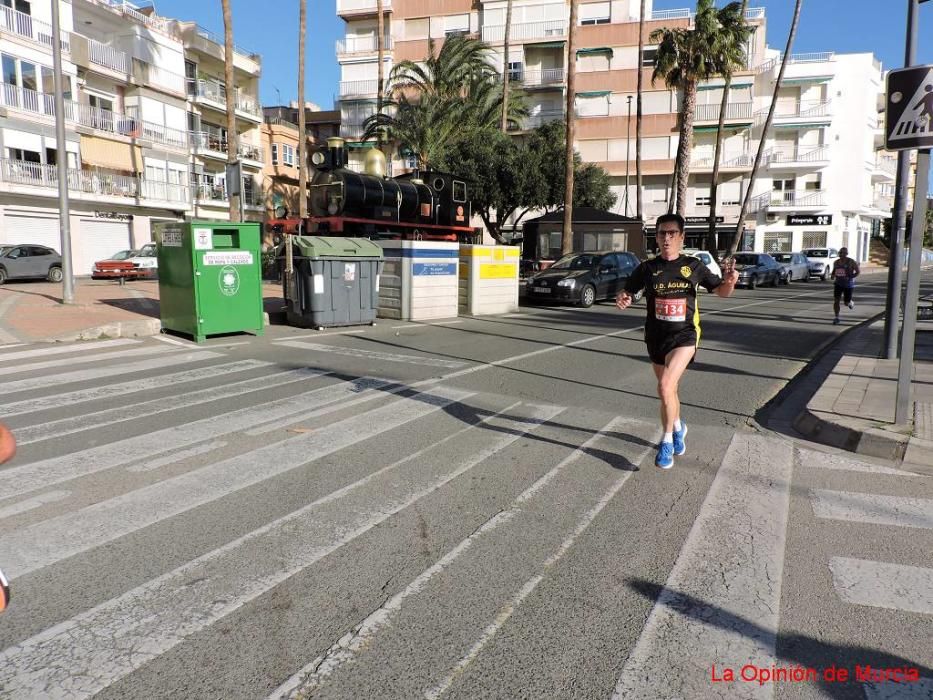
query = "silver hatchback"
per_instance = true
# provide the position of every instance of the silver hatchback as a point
(796, 266)
(29, 262)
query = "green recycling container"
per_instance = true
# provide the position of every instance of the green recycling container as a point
(210, 277)
(335, 281)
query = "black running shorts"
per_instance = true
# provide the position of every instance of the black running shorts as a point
(844, 292)
(660, 344)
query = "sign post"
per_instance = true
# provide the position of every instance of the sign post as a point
(908, 125)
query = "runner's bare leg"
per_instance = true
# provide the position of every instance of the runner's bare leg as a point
(668, 380)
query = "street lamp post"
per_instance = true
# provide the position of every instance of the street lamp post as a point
(61, 157)
(628, 145)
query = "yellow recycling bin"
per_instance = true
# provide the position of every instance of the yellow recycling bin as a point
(488, 279)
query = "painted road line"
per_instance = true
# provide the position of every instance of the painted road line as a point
(428, 324)
(83, 359)
(883, 585)
(721, 601)
(373, 354)
(822, 460)
(112, 416)
(10, 346)
(47, 472)
(70, 348)
(99, 646)
(50, 541)
(873, 509)
(528, 588)
(97, 373)
(311, 336)
(32, 503)
(124, 388)
(176, 457)
(310, 677)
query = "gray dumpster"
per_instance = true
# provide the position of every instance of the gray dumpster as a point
(336, 281)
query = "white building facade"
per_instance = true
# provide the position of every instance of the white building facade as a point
(134, 156)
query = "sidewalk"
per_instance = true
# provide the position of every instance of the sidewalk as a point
(33, 312)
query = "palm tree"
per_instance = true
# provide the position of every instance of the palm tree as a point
(232, 140)
(302, 139)
(567, 237)
(686, 57)
(505, 68)
(380, 56)
(641, 50)
(736, 25)
(739, 227)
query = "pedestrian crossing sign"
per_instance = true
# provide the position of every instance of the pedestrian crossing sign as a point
(909, 108)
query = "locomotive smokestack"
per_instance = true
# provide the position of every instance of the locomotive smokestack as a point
(375, 163)
(338, 151)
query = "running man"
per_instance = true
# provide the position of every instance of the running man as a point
(7, 451)
(672, 329)
(845, 270)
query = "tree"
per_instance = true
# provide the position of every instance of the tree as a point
(687, 56)
(505, 68)
(737, 26)
(233, 145)
(739, 227)
(380, 57)
(302, 137)
(641, 51)
(567, 237)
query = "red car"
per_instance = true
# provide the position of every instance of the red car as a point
(128, 264)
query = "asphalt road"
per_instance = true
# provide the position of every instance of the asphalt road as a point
(462, 509)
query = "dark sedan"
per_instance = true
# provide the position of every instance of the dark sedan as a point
(582, 278)
(757, 269)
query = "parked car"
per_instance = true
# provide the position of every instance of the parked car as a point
(704, 257)
(583, 278)
(795, 266)
(821, 261)
(757, 269)
(139, 264)
(29, 262)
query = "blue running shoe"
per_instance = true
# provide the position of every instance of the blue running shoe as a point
(679, 446)
(665, 458)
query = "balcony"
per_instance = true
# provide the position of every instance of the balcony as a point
(150, 75)
(26, 26)
(797, 158)
(87, 184)
(533, 121)
(734, 163)
(553, 29)
(686, 13)
(107, 57)
(547, 78)
(883, 204)
(796, 59)
(360, 7)
(734, 111)
(884, 169)
(805, 113)
(213, 94)
(781, 200)
(211, 145)
(359, 88)
(215, 194)
(352, 46)
(131, 12)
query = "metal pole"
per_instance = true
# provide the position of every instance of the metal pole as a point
(61, 158)
(902, 409)
(628, 145)
(899, 217)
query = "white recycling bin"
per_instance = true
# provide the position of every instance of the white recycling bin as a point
(419, 280)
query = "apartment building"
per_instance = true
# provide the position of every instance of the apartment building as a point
(141, 99)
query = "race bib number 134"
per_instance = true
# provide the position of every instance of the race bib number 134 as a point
(670, 309)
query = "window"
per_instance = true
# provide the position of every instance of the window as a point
(593, 62)
(655, 194)
(702, 198)
(288, 154)
(596, 106)
(648, 57)
(459, 191)
(456, 24)
(416, 28)
(814, 239)
(594, 150)
(275, 154)
(595, 13)
(778, 241)
(515, 71)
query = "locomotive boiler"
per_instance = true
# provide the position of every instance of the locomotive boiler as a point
(426, 206)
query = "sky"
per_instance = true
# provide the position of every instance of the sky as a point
(270, 27)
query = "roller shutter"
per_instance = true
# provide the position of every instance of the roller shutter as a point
(100, 239)
(19, 229)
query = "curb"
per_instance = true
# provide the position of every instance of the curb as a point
(122, 329)
(872, 442)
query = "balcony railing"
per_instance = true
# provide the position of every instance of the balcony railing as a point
(533, 121)
(537, 78)
(803, 110)
(219, 40)
(106, 56)
(362, 44)
(687, 13)
(132, 12)
(344, 6)
(359, 87)
(26, 26)
(736, 110)
(887, 165)
(820, 57)
(217, 93)
(791, 198)
(798, 154)
(21, 172)
(530, 30)
(212, 142)
(215, 192)
(742, 161)
(155, 76)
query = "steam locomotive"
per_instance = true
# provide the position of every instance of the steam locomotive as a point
(426, 206)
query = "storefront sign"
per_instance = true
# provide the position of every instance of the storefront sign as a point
(702, 219)
(809, 219)
(113, 215)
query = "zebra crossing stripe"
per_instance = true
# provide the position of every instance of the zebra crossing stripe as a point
(722, 598)
(84, 359)
(85, 375)
(144, 409)
(134, 386)
(819, 460)
(373, 355)
(873, 509)
(99, 646)
(883, 585)
(31, 503)
(176, 457)
(47, 472)
(70, 348)
(52, 540)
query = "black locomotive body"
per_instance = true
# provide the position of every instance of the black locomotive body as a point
(430, 206)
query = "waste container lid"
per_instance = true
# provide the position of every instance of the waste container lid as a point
(317, 247)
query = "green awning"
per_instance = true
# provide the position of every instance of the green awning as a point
(738, 82)
(546, 44)
(597, 50)
(804, 125)
(725, 127)
(808, 79)
(594, 93)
